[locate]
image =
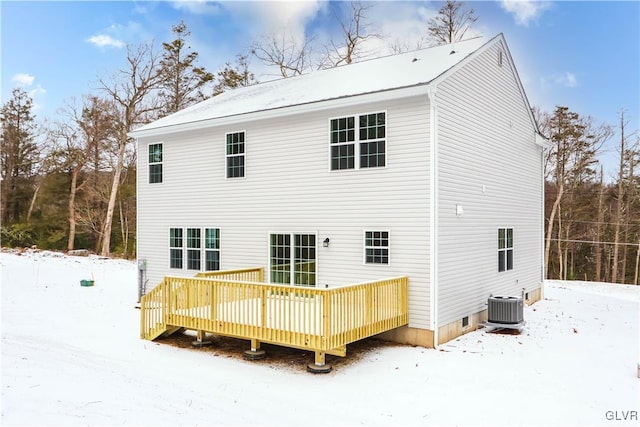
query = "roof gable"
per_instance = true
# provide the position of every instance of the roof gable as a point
(376, 75)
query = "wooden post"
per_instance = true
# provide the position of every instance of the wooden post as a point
(200, 339)
(255, 353)
(319, 366)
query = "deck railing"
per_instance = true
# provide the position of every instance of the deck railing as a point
(321, 320)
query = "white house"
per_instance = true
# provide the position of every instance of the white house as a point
(426, 164)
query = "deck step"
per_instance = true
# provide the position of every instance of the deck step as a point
(172, 330)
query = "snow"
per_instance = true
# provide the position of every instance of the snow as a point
(72, 356)
(375, 75)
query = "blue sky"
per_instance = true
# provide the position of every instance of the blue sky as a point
(583, 55)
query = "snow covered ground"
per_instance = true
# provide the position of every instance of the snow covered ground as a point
(72, 356)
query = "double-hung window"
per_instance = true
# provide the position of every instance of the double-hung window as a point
(193, 249)
(155, 163)
(211, 249)
(191, 244)
(505, 249)
(358, 142)
(235, 155)
(175, 248)
(376, 247)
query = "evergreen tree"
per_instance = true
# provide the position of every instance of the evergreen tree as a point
(19, 155)
(234, 76)
(182, 83)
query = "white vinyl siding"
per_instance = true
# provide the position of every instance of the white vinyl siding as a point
(490, 166)
(291, 187)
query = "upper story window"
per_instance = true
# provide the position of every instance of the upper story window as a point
(376, 247)
(235, 155)
(362, 139)
(505, 249)
(155, 163)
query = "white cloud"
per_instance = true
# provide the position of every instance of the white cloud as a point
(104, 40)
(269, 17)
(525, 11)
(566, 79)
(198, 7)
(22, 79)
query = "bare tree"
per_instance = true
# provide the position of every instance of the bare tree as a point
(285, 52)
(451, 23)
(355, 31)
(576, 140)
(132, 90)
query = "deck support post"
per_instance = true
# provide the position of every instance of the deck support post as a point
(200, 340)
(319, 367)
(255, 353)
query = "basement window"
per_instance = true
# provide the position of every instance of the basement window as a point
(505, 249)
(465, 322)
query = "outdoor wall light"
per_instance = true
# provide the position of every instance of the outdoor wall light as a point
(325, 243)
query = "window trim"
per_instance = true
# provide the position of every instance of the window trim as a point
(227, 156)
(365, 247)
(506, 249)
(149, 163)
(357, 141)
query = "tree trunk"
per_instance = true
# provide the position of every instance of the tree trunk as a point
(33, 199)
(106, 234)
(72, 209)
(635, 278)
(552, 218)
(616, 241)
(599, 230)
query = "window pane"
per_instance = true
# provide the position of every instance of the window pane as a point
(501, 261)
(509, 259)
(155, 173)
(193, 238)
(501, 238)
(212, 261)
(155, 153)
(212, 238)
(509, 243)
(193, 259)
(372, 154)
(175, 256)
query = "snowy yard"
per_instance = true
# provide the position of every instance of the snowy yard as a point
(72, 356)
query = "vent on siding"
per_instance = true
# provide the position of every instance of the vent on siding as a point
(505, 310)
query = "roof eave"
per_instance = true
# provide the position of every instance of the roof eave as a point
(326, 104)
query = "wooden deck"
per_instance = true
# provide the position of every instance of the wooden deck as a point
(237, 303)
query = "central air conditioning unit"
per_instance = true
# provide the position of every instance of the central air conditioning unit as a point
(505, 310)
